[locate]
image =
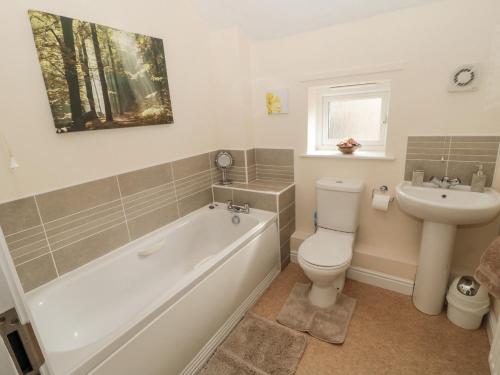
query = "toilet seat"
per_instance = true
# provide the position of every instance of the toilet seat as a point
(327, 249)
(322, 268)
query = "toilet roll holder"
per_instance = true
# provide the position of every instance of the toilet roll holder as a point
(384, 190)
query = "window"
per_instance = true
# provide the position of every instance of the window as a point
(356, 111)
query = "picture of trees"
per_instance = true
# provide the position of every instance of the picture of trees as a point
(98, 77)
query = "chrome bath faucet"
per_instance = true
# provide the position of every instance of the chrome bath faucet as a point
(245, 209)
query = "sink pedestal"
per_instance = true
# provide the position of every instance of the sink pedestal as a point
(433, 271)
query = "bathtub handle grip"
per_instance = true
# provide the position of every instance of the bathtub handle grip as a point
(151, 250)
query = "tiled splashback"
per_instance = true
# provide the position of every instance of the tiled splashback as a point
(259, 164)
(452, 156)
(53, 233)
(274, 164)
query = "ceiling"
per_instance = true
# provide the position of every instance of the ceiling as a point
(269, 19)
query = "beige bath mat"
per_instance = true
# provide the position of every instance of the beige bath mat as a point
(257, 346)
(325, 324)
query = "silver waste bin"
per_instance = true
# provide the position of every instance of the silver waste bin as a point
(467, 302)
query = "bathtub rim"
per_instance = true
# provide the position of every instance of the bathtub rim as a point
(167, 228)
(108, 344)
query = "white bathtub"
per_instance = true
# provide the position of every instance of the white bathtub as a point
(160, 304)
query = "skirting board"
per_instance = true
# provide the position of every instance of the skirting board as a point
(382, 280)
(204, 354)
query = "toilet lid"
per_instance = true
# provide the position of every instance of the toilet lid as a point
(327, 248)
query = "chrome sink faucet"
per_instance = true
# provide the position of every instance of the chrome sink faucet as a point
(245, 209)
(445, 182)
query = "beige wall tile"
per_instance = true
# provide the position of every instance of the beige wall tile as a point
(476, 158)
(222, 195)
(147, 178)
(238, 157)
(269, 156)
(286, 215)
(285, 253)
(31, 237)
(189, 166)
(274, 172)
(149, 200)
(193, 184)
(473, 151)
(63, 202)
(23, 232)
(482, 145)
(475, 138)
(428, 138)
(238, 174)
(262, 201)
(426, 156)
(250, 157)
(286, 232)
(18, 215)
(20, 258)
(287, 197)
(430, 168)
(464, 171)
(36, 272)
(195, 201)
(252, 173)
(152, 220)
(79, 253)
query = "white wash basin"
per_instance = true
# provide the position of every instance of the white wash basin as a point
(441, 210)
(457, 205)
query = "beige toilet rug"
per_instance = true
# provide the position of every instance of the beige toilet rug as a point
(257, 346)
(329, 324)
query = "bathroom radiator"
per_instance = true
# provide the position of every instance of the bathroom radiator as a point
(21, 344)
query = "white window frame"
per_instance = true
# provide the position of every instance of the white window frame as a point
(326, 95)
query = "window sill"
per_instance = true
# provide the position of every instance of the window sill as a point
(363, 155)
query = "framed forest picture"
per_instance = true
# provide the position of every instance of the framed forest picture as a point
(98, 77)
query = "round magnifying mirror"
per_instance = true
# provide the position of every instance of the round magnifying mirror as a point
(224, 160)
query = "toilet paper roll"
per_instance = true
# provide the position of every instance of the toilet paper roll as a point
(381, 201)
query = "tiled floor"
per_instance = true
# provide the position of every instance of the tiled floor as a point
(387, 335)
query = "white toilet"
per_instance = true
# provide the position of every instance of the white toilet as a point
(326, 255)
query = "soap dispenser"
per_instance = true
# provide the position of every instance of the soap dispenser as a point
(478, 180)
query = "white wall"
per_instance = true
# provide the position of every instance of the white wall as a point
(49, 160)
(429, 42)
(231, 87)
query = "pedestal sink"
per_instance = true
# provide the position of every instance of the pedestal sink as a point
(442, 210)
